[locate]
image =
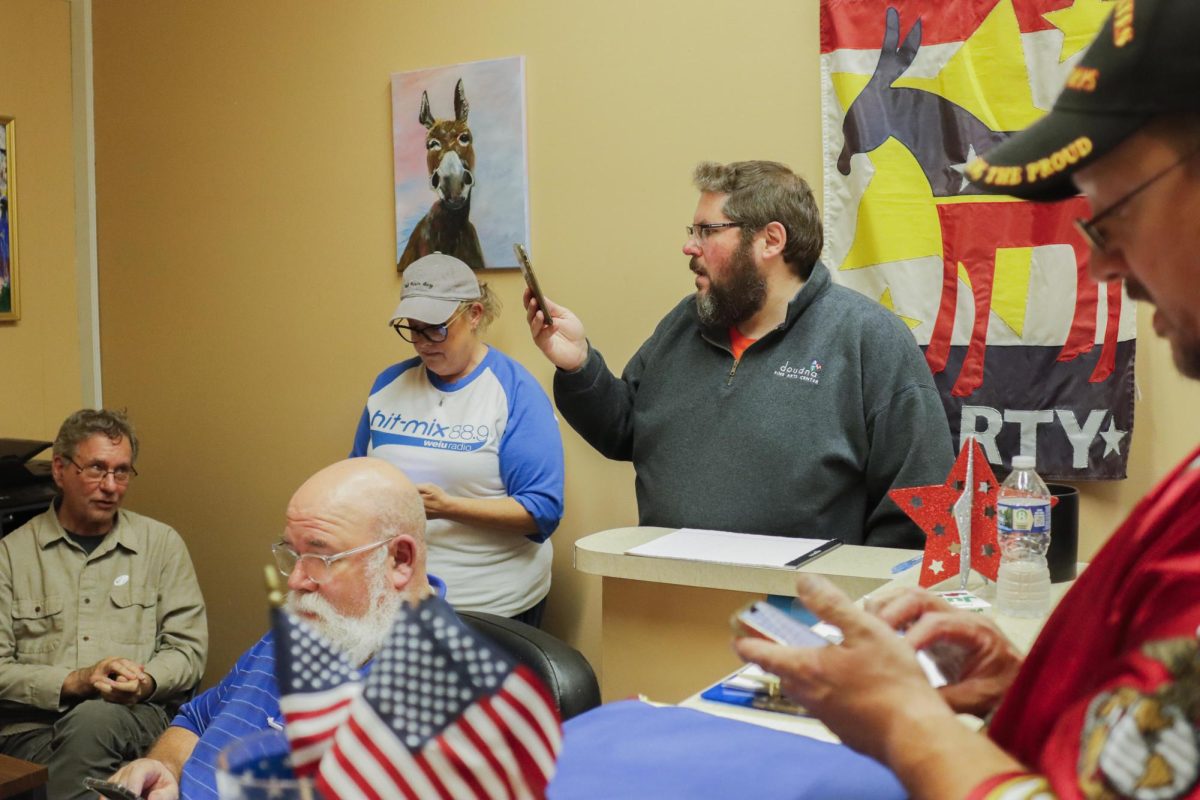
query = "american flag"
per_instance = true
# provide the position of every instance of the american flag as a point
(317, 684)
(444, 714)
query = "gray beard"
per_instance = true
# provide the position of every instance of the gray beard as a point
(358, 638)
(738, 298)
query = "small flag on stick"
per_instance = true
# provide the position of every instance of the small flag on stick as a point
(443, 714)
(317, 684)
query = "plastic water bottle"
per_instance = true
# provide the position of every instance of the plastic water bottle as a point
(1023, 528)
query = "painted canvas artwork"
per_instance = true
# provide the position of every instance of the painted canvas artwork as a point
(458, 138)
(9, 299)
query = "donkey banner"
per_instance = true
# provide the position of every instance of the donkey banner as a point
(458, 140)
(1031, 356)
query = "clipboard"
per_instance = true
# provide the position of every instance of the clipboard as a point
(796, 563)
(740, 549)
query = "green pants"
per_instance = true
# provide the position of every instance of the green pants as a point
(92, 739)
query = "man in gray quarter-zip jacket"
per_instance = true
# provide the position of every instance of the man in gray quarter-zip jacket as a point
(771, 400)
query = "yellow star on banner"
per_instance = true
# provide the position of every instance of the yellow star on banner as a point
(988, 75)
(886, 301)
(1079, 24)
(896, 216)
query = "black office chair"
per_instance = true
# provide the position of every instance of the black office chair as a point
(563, 669)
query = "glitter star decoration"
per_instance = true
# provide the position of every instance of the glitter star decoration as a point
(933, 509)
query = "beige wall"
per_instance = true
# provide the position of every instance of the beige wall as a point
(39, 356)
(247, 242)
(1167, 429)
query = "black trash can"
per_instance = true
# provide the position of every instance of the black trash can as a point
(1064, 533)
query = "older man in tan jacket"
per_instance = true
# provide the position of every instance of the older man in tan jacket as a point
(102, 626)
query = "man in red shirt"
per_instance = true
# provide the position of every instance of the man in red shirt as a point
(1107, 703)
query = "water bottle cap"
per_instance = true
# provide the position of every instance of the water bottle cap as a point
(1024, 462)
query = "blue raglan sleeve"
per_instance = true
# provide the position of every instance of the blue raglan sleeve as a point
(362, 435)
(531, 452)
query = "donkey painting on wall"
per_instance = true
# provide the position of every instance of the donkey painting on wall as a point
(450, 158)
(460, 175)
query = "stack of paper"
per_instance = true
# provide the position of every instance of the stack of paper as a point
(723, 547)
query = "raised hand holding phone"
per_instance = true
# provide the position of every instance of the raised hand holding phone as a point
(558, 333)
(531, 282)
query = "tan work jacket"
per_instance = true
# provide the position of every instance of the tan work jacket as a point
(135, 596)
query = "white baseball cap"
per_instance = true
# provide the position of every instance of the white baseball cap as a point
(433, 288)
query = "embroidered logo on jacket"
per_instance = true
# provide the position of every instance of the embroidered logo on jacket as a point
(809, 374)
(1143, 744)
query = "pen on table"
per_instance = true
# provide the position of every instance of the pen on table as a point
(903, 565)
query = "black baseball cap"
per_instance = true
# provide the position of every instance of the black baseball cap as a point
(1145, 62)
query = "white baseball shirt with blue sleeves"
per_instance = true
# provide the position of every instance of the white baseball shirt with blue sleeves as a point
(491, 434)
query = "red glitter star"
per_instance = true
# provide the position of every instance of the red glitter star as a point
(932, 508)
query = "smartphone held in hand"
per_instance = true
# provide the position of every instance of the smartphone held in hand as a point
(765, 621)
(114, 791)
(531, 282)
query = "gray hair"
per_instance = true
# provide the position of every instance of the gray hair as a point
(397, 510)
(761, 192)
(88, 422)
(393, 518)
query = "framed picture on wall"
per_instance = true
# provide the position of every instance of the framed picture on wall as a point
(10, 297)
(458, 139)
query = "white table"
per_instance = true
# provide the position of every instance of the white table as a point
(665, 622)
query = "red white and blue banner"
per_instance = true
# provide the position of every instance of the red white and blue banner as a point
(1032, 356)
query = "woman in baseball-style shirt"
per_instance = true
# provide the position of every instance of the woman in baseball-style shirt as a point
(477, 434)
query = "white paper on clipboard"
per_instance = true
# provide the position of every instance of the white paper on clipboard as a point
(725, 547)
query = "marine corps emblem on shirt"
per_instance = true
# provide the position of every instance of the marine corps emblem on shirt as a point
(1144, 745)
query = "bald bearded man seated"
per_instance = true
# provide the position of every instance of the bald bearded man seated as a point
(353, 550)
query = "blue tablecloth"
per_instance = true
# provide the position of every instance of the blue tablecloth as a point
(633, 750)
